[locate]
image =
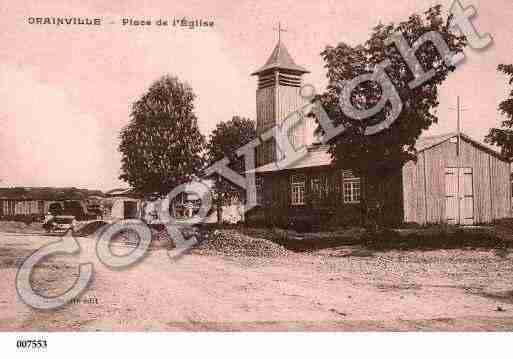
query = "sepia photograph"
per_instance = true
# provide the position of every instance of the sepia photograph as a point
(255, 166)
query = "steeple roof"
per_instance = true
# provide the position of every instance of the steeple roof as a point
(280, 59)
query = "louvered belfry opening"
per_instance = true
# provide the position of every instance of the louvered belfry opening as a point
(266, 80)
(290, 79)
(285, 78)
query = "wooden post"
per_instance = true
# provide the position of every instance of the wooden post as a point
(458, 152)
(458, 157)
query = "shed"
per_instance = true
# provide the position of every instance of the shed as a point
(465, 183)
(124, 203)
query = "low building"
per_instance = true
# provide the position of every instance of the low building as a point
(123, 203)
(32, 203)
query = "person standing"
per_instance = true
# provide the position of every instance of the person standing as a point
(48, 223)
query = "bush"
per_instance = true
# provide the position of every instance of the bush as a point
(435, 237)
(345, 217)
(301, 225)
(505, 222)
(410, 225)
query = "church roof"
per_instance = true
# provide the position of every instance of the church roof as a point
(280, 59)
(317, 155)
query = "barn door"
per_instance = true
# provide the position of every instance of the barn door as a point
(459, 196)
(451, 196)
(466, 197)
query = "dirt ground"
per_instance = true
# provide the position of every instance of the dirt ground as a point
(448, 290)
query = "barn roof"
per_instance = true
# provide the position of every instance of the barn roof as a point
(425, 143)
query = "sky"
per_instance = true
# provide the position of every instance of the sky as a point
(66, 91)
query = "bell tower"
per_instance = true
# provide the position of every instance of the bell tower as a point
(277, 96)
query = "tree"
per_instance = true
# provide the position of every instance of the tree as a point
(161, 146)
(376, 156)
(503, 137)
(224, 141)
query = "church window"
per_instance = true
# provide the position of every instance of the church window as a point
(352, 190)
(259, 182)
(297, 190)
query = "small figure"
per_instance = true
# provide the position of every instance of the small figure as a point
(189, 207)
(48, 222)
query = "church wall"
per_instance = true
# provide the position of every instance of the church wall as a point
(326, 206)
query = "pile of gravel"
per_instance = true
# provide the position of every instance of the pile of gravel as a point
(219, 242)
(160, 235)
(159, 238)
(235, 244)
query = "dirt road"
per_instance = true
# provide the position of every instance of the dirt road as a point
(435, 290)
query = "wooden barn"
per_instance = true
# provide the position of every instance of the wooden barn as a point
(455, 182)
(444, 187)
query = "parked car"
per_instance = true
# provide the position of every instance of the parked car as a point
(63, 224)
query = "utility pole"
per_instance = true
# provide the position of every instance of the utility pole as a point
(458, 131)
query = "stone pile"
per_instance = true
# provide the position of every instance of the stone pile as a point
(235, 244)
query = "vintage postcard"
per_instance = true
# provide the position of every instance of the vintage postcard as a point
(255, 166)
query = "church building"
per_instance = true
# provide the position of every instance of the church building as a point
(467, 183)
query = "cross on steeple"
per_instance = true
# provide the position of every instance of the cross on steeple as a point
(280, 58)
(280, 30)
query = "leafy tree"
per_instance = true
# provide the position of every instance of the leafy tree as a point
(377, 156)
(161, 146)
(503, 137)
(224, 141)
